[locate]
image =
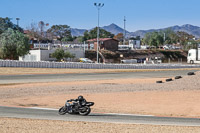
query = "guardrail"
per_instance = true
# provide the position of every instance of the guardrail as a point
(77, 65)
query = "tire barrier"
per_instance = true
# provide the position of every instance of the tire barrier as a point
(168, 80)
(191, 73)
(178, 77)
(159, 82)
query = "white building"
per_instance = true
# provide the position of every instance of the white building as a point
(123, 47)
(45, 55)
(38, 55)
(134, 44)
(41, 45)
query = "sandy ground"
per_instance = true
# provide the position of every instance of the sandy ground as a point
(138, 96)
(13, 71)
(9, 125)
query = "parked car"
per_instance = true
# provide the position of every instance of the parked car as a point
(85, 60)
(157, 60)
(141, 60)
(129, 61)
(166, 47)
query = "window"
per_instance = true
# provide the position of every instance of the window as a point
(50, 56)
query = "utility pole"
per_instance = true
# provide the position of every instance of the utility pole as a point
(124, 30)
(164, 38)
(99, 6)
(197, 52)
(84, 48)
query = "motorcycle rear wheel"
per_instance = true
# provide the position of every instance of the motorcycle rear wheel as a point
(62, 111)
(85, 112)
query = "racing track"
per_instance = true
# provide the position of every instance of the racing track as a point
(52, 114)
(93, 117)
(5, 79)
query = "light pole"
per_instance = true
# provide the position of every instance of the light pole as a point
(164, 37)
(124, 30)
(18, 21)
(99, 6)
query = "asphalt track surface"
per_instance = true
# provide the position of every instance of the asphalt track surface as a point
(46, 114)
(31, 78)
(93, 117)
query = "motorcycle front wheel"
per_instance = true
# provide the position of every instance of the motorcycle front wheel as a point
(62, 111)
(85, 111)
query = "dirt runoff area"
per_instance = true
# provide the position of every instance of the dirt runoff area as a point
(179, 97)
(11, 125)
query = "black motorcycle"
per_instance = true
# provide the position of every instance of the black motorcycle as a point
(76, 108)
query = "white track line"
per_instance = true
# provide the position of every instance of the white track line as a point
(126, 114)
(42, 108)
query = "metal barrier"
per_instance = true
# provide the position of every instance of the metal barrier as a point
(78, 65)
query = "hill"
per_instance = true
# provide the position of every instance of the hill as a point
(115, 29)
(193, 30)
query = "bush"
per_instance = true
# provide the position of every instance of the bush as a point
(1, 54)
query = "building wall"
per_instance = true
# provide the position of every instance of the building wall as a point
(34, 55)
(40, 45)
(134, 44)
(79, 53)
(111, 45)
(45, 55)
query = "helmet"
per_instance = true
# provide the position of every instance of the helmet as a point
(80, 97)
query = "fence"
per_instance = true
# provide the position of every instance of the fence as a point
(77, 65)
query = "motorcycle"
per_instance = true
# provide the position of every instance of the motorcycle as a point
(76, 108)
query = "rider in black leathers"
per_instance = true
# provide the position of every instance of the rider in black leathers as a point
(81, 101)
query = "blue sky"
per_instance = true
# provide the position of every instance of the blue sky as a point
(140, 14)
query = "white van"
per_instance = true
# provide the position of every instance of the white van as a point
(192, 54)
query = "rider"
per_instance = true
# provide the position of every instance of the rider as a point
(81, 100)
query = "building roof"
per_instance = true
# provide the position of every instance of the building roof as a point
(101, 39)
(26, 31)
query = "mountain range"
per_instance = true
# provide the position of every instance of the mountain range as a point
(115, 29)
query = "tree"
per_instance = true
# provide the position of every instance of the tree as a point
(33, 32)
(153, 39)
(14, 44)
(60, 32)
(186, 40)
(146, 39)
(6, 23)
(86, 36)
(79, 39)
(93, 34)
(69, 55)
(119, 36)
(170, 36)
(1, 54)
(184, 37)
(60, 54)
(159, 39)
(38, 31)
